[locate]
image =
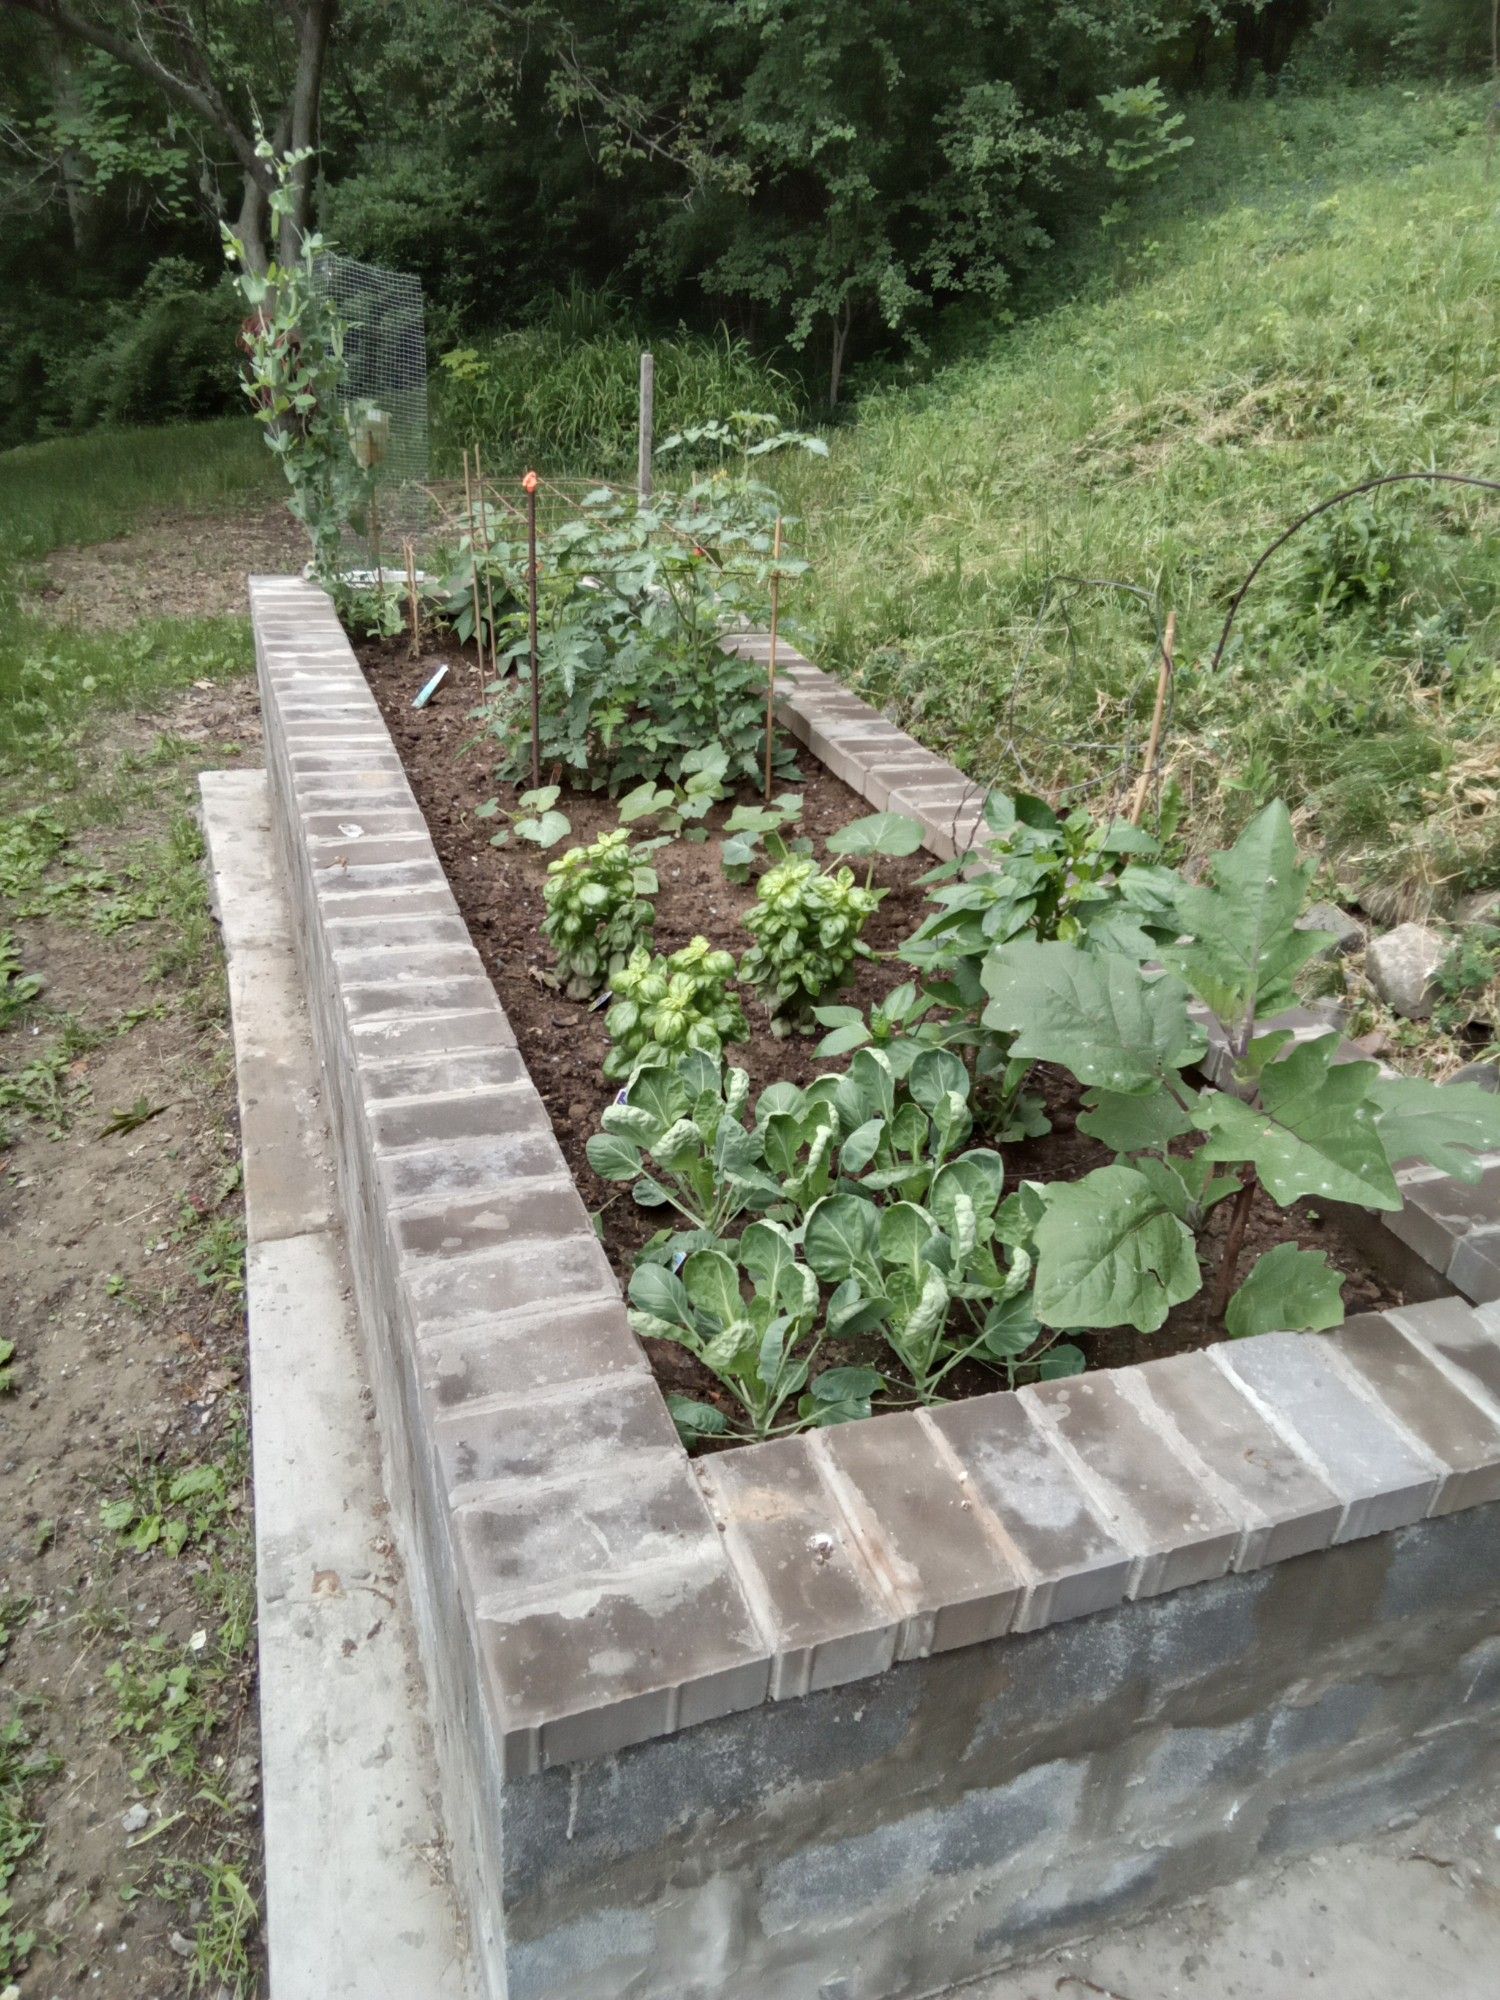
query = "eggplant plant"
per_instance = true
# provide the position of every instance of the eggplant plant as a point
(1096, 883)
(1120, 1246)
(761, 1347)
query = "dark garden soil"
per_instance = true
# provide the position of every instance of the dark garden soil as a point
(450, 762)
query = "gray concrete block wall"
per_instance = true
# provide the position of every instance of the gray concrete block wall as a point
(596, 1613)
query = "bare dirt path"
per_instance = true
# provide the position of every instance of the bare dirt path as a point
(129, 1832)
(171, 567)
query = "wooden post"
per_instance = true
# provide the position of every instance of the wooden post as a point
(771, 656)
(643, 437)
(1163, 682)
(529, 482)
(413, 603)
(489, 594)
(474, 567)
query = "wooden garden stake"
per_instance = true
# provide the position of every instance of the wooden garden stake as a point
(489, 595)
(413, 604)
(644, 427)
(529, 482)
(474, 565)
(771, 656)
(1153, 743)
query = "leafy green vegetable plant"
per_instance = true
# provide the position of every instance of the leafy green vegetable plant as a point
(678, 1136)
(1119, 1247)
(18, 988)
(761, 1348)
(663, 1006)
(679, 810)
(598, 910)
(537, 820)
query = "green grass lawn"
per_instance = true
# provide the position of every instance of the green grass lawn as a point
(1312, 300)
(93, 487)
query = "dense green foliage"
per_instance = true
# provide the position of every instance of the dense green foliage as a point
(598, 910)
(841, 186)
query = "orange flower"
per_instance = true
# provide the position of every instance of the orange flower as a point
(530, 482)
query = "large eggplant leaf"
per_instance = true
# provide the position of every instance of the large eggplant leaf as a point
(1111, 1253)
(1244, 951)
(1313, 1133)
(1092, 1012)
(1289, 1291)
(1137, 1124)
(1443, 1123)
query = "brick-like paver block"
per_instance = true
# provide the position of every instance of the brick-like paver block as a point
(812, 1588)
(622, 1660)
(1287, 1508)
(1464, 1339)
(532, 1435)
(504, 1355)
(1461, 1435)
(504, 1218)
(528, 1275)
(1075, 1564)
(429, 1122)
(1154, 1501)
(935, 1546)
(1384, 1478)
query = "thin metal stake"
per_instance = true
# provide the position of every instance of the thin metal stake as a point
(1163, 682)
(529, 482)
(771, 660)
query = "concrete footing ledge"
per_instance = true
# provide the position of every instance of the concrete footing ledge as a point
(358, 1900)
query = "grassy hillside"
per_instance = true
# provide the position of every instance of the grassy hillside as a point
(1313, 299)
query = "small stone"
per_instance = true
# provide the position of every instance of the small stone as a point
(1483, 907)
(134, 1820)
(1485, 1074)
(1401, 967)
(183, 1946)
(1348, 933)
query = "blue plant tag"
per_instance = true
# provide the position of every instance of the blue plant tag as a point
(432, 687)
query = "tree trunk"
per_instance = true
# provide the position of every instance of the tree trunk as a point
(302, 121)
(841, 324)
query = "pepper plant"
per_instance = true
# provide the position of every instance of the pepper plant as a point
(598, 910)
(665, 1005)
(1120, 1246)
(536, 820)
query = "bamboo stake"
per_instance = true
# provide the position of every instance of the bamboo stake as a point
(489, 595)
(530, 482)
(474, 568)
(413, 604)
(1153, 744)
(771, 657)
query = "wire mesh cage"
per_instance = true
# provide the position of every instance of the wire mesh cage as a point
(383, 393)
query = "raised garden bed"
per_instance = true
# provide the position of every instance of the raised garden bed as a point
(450, 757)
(867, 1710)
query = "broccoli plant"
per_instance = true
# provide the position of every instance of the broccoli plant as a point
(665, 1005)
(1120, 1246)
(761, 1348)
(597, 910)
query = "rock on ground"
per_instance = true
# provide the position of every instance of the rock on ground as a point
(1348, 933)
(1401, 967)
